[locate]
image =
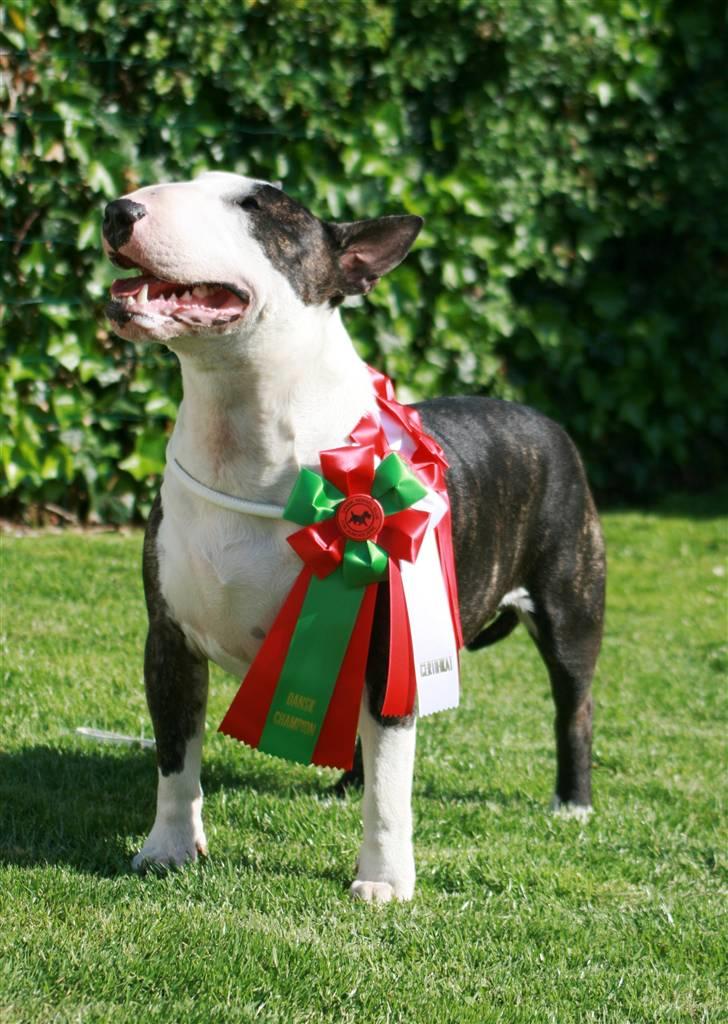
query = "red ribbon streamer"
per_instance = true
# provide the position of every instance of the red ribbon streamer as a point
(245, 718)
(399, 697)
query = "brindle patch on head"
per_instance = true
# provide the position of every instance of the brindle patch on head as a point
(296, 242)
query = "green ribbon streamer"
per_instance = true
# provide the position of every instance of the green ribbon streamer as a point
(309, 673)
(330, 609)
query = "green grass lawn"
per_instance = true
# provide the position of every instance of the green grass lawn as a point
(518, 915)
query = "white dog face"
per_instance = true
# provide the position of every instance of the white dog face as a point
(221, 252)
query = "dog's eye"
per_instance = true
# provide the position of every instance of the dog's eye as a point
(248, 203)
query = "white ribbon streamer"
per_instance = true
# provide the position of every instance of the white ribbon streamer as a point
(434, 646)
(433, 638)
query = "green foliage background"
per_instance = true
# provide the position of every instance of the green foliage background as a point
(569, 156)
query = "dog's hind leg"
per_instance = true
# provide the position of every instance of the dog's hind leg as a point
(386, 867)
(176, 682)
(568, 619)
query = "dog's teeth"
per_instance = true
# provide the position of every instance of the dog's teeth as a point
(186, 296)
(143, 295)
(128, 300)
(200, 292)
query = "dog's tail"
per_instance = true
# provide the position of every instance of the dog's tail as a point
(499, 629)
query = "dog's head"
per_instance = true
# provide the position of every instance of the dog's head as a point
(222, 253)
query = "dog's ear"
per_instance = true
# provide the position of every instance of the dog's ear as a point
(367, 249)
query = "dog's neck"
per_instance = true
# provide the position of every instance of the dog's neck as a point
(248, 423)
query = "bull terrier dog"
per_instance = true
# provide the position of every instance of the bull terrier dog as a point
(244, 285)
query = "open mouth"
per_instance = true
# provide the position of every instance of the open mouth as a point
(196, 305)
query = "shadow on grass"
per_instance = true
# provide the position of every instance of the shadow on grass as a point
(477, 796)
(83, 808)
(79, 808)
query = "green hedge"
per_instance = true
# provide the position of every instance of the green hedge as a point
(569, 157)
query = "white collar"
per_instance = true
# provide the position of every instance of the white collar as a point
(242, 505)
(220, 498)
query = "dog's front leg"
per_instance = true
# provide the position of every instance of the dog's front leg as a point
(176, 684)
(386, 867)
(175, 679)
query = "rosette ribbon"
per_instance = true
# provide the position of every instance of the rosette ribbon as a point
(300, 698)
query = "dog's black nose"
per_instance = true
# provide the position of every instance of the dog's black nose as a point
(119, 219)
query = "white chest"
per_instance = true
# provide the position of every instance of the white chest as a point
(223, 575)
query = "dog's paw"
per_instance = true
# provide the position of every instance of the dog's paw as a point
(373, 892)
(384, 875)
(170, 847)
(571, 811)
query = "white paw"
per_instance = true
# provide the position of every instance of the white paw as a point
(171, 846)
(384, 873)
(569, 810)
(373, 892)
